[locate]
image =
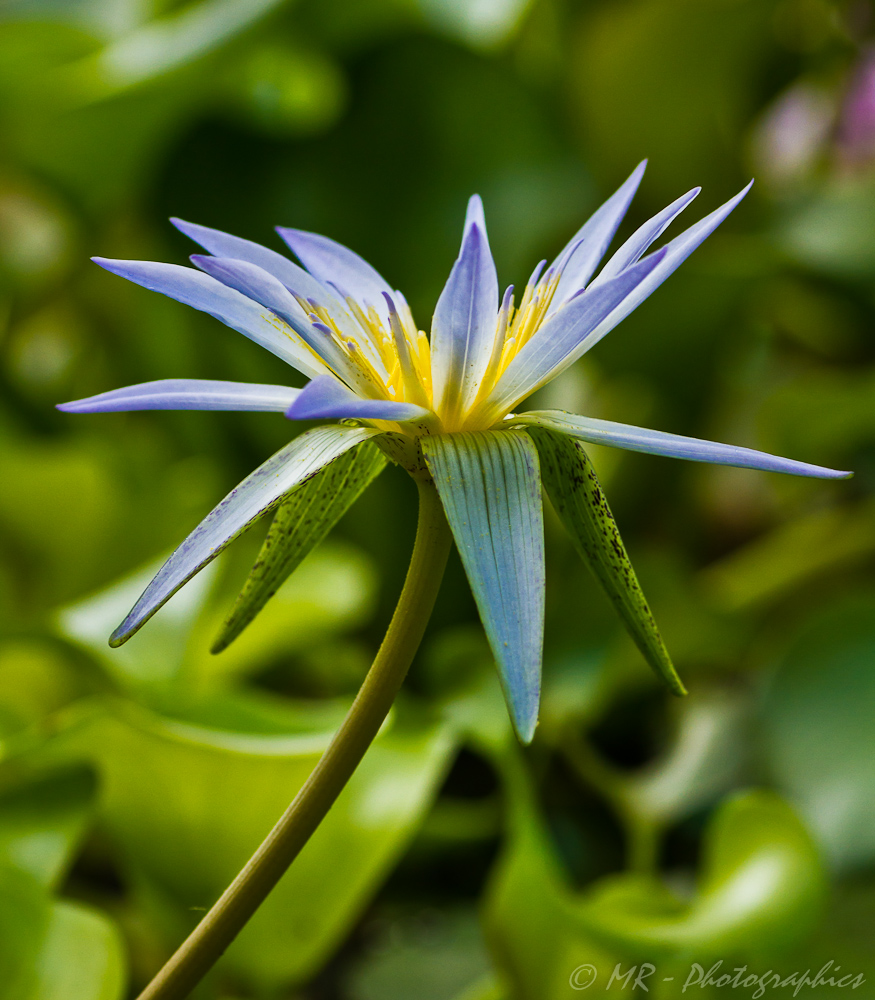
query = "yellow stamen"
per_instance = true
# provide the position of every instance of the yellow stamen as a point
(409, 377)
(293, 335)
(393, 360)
(423, 348)
(494, 368)
(507, 355)
(359, 359)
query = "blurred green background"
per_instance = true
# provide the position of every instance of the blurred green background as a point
(738, 825)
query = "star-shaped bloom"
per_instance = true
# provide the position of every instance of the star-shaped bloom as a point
(442, 405)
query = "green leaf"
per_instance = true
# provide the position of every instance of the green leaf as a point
(442, 958)
(491, 492)
(82, 957)
(482, 25)
(163, 45)
(333, 590)
(55, 951)
(762, 885)
(24, 916)
(817, 727)
(573, 488)
(36, 679)
(530, 913)
(300, 524)
(186, 805)
(486, 988)
(701, 763)
(153, 656)
(42, 824)
(790, 556)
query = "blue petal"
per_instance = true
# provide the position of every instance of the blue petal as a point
(259, 492)
(187, 394)
(464, 326)
(583, 252)
(298, 281)
(326, 398)
(301, 522)
(674, 254)
(336, 265)
(199, 290)
(475, 216)
(539, 361)
(260, 286)
(490, 488)
(558, 343)
(636, 246)
(220, 244)
(673, 445)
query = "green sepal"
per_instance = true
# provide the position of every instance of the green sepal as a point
(574, 490)
(300, 524)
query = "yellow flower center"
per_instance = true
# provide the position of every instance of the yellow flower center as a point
(395, 363)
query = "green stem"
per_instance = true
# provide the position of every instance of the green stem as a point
(203, 947)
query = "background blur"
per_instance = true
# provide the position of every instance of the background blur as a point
(133, 783)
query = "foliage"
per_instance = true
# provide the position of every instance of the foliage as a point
(457, 866)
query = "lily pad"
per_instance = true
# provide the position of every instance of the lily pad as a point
(187, 804)
(760, 887)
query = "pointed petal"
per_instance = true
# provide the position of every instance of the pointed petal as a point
(475, 216)
(326, 398)
(636, 246)
(537, 362)
(259, 492)
(220, 244)
(300, 524)
(490, 489)
(336, 265)
(674, 254)
(575, 492)
(257, 284)
(205, 293)
(558, 343)
(296, 280)
(581, 255)
(187, 394)
(673, 445)
(260, 286)
(463, 330)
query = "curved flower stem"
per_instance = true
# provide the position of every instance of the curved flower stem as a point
(203, 947)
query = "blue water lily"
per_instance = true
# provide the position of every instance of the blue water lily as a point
(440, 404)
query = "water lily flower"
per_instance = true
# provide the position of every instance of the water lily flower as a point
(442, 405)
